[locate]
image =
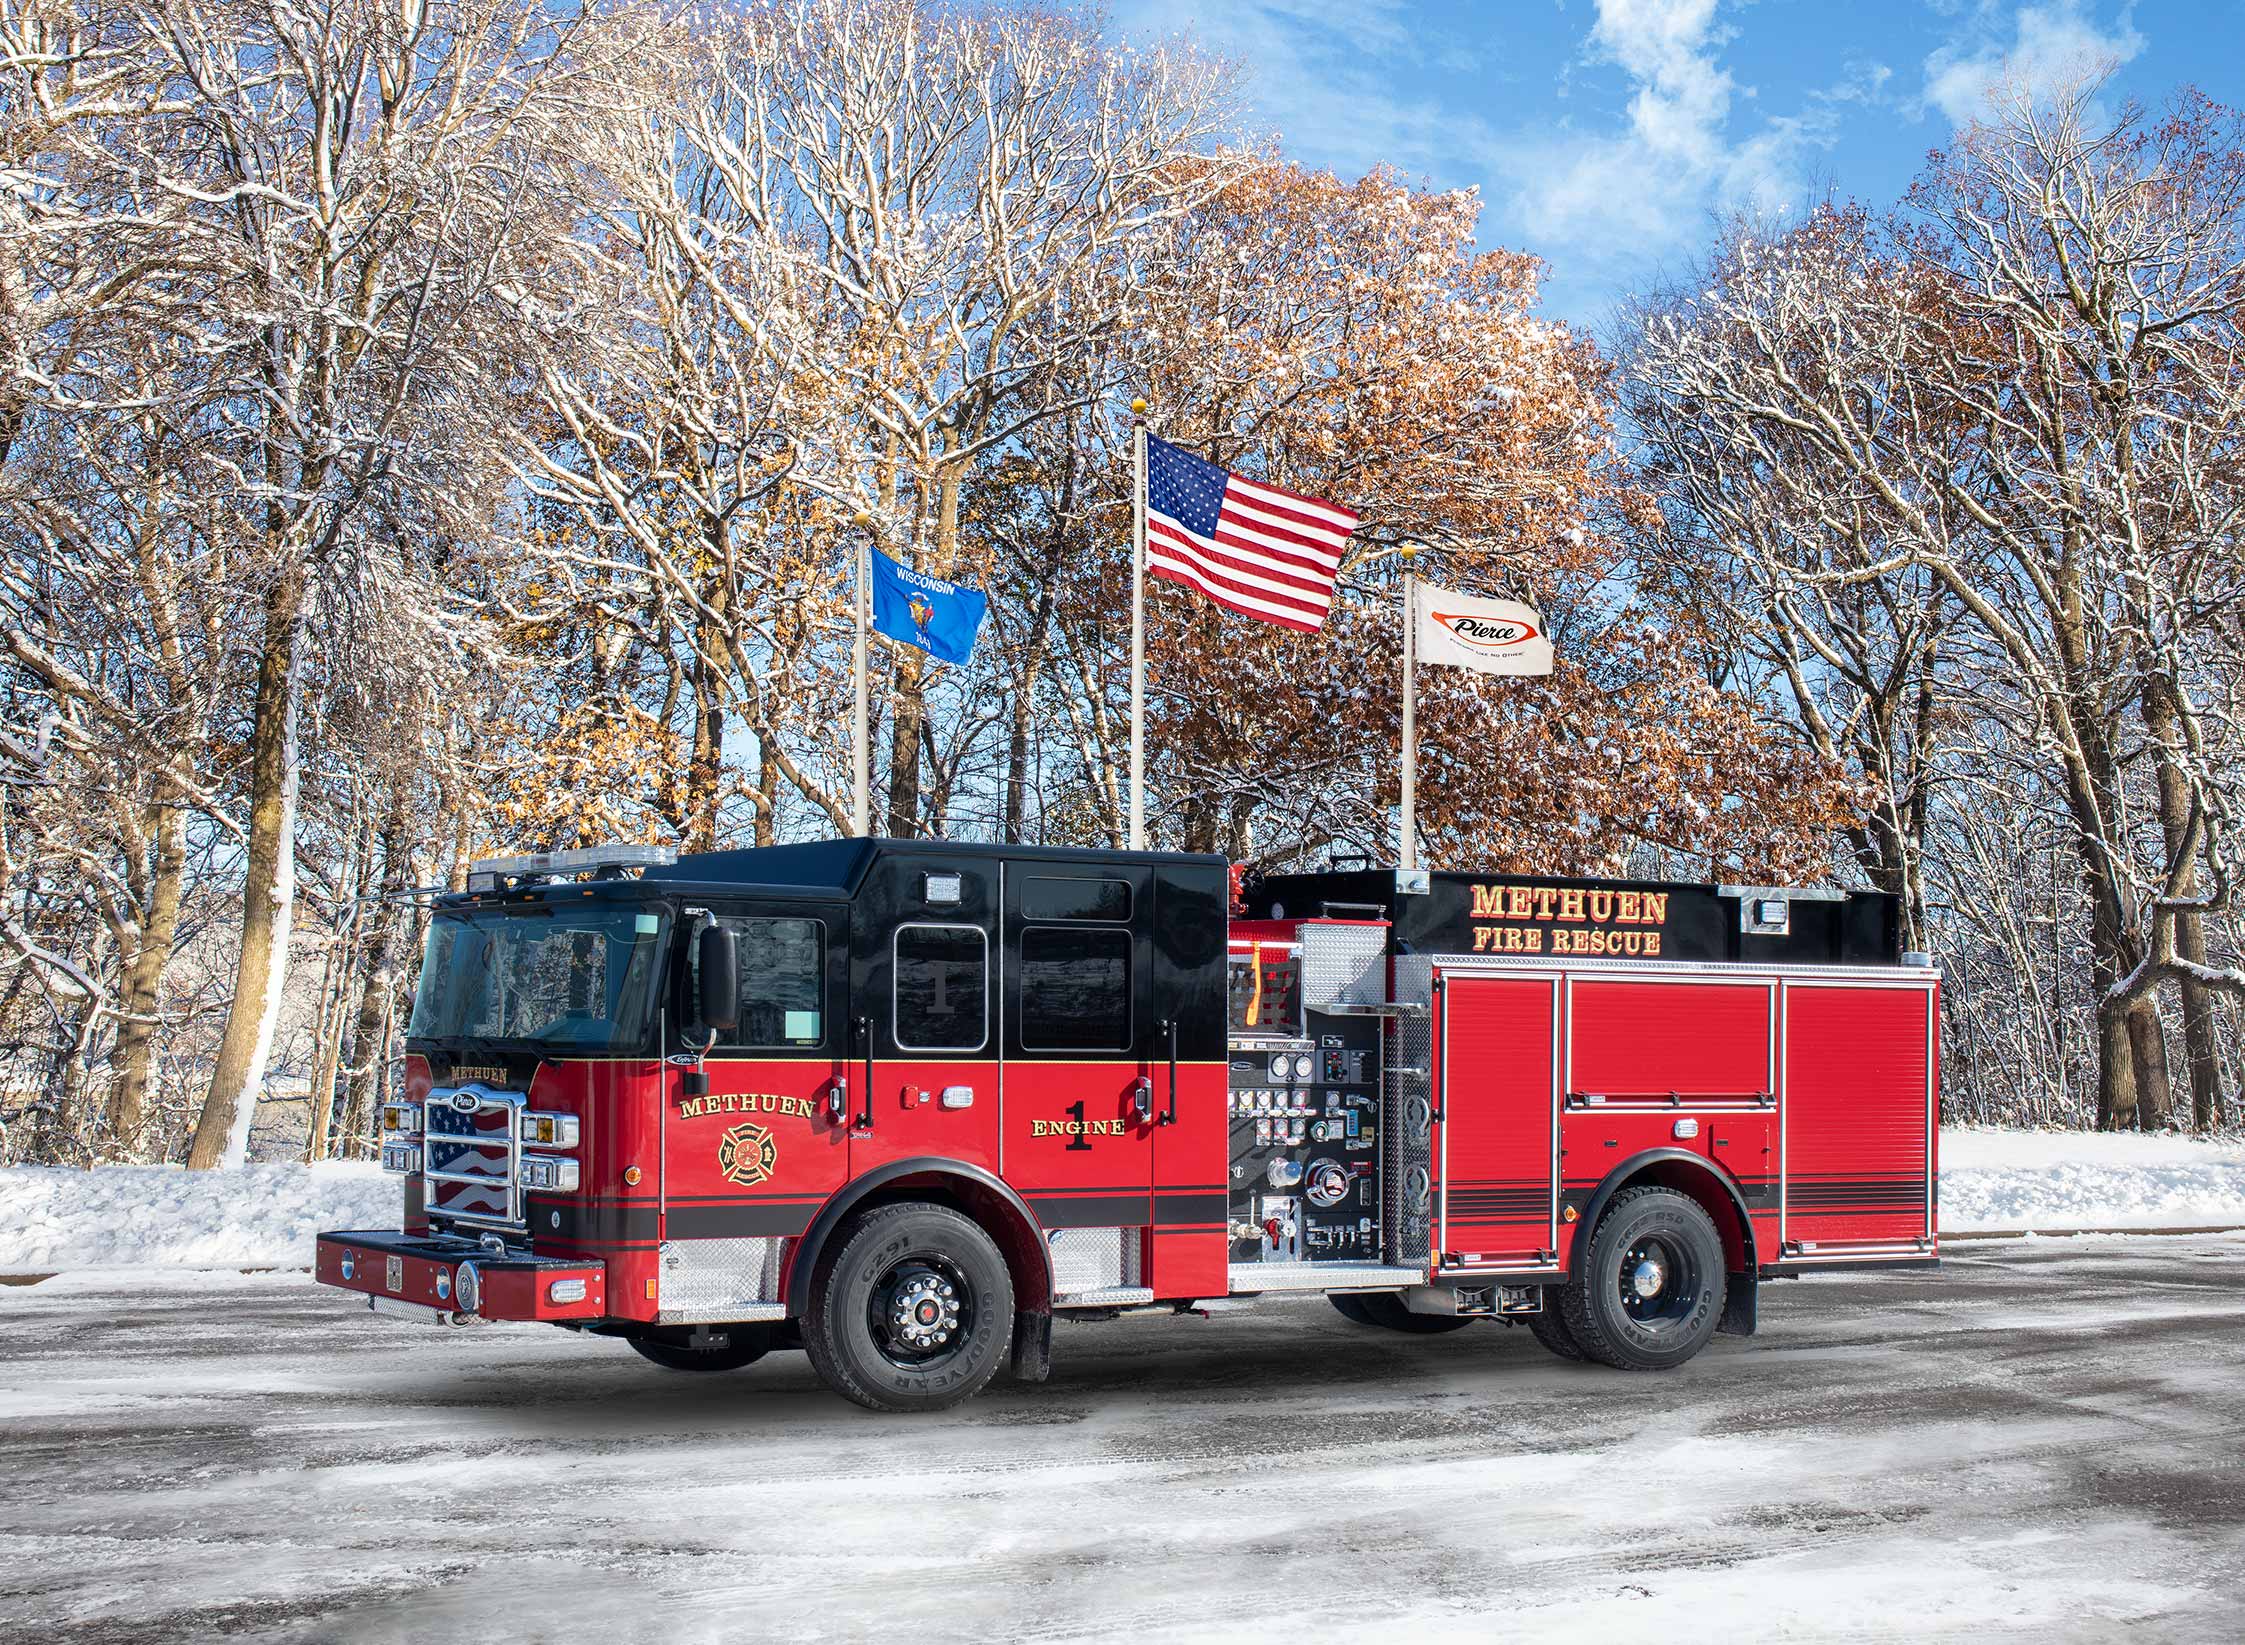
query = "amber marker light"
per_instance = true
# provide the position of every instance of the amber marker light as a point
(631, 1176)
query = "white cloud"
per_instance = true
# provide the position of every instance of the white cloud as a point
(1619, 195)
(2050, 45)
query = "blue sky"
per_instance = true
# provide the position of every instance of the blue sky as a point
(1605, 135)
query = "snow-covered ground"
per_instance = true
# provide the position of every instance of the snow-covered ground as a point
(2033, 1445)
(262, 1216)
(265, 1215)
(2083, 1179)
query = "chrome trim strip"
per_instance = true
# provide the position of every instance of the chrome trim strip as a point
(1249, 1278)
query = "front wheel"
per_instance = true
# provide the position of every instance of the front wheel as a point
(724, 1348)
(1648, 1291)
(913, 1311)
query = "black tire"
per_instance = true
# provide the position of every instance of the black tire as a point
(1386, 1310)
(1648, 1237)
(743, 1345)
(911, 1310)
(1550, 1327)
(1350, 1307)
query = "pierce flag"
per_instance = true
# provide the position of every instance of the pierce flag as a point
(1493, 636)
(939, 617)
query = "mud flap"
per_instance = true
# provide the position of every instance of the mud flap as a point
(1032, 1347)
(1738, 1306)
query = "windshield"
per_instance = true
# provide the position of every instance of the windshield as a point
(577, 977)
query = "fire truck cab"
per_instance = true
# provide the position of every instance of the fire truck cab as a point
(903, 1103)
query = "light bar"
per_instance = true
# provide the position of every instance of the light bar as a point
(547, 1130)
(485, 873)
(401, 1158)
(543, 1171)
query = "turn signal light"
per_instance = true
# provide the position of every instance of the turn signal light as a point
(402, 1117)
(547, 1130)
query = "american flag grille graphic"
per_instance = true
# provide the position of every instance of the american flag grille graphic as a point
(1250, 547)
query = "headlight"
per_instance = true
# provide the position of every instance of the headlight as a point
(547, 1130)
(403, 1158)
(555, 1176)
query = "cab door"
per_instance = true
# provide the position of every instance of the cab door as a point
(1086, 1063)
(925, 1078)
(755, 1153)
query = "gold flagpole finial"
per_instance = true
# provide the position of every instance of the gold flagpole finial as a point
(1138, 408)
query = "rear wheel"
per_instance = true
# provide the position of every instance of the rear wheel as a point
(1550, 1327)
(912, 1312)
(722, 1348)
(1386, 1310)
(1648, 1292)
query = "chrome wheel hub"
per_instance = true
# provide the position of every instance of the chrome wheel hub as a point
(1647, 1278)
(924, 1312)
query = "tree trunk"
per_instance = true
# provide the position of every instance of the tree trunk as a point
(2116, 1079)
(268, 889)
(2201, 1044)
(369, 1044)
(2147, 1043)
(135, 1055)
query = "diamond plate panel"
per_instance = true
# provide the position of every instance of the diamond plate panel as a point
(1407, 1118)
(1345, 964)
(1093, 1259)
(707, 1281)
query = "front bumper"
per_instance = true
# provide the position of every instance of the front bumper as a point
(424, 1270)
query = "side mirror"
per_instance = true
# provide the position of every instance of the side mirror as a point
(719, 1004)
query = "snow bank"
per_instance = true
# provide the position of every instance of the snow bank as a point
(118, 1216)
(264, 1216)
(2083, 1179)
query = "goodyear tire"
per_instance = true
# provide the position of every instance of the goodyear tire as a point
(912, 1311)
(1550, 1327)
(1386, 1310)
(1649, 1291)
(743, 1345)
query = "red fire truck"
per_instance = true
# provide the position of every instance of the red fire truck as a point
(903, 1103)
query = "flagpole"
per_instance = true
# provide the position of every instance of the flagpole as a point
(861, 797)
(1138, 625)
(1409, 855)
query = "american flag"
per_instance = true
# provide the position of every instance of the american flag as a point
(1249, 547)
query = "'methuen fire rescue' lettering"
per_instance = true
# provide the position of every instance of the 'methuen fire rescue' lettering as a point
(1553, 909)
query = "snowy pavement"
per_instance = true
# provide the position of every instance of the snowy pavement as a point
(2039, 1441)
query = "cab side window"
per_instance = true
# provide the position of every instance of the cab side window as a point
(1075, 988)
(782, 965)
(942, 983)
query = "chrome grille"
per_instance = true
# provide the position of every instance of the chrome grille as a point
(471, 1155)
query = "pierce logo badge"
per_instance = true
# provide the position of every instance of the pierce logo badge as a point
(1486, 634)
(747, 1155)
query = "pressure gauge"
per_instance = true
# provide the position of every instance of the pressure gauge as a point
(1328, 1183)
(1302, 1066)
(1281, 1066)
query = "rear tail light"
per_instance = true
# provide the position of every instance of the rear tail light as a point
(404, 1158)
(554, 1176)
(547, 1130)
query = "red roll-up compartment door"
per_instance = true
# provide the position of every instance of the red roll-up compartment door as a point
(1858, 1113)
(1497, 1044)
(1659, 1041)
